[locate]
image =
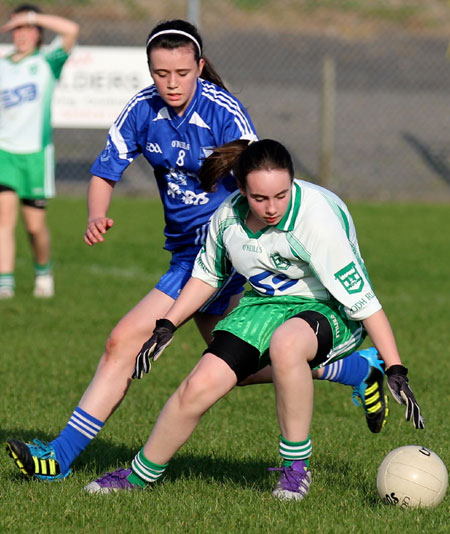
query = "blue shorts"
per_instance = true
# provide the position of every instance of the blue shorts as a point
(172, 282)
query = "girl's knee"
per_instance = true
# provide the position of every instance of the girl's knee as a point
(292, 342)
(197, 392)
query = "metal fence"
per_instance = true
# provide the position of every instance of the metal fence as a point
(390, 139)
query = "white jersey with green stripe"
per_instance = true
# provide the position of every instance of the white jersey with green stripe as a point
(312, 252)
(26, 89)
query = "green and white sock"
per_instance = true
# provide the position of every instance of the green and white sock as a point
(7, 280)
(144, 471)
(295, 450)
(46, 268)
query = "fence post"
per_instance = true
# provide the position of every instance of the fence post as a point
(327, 105)
(193, 12)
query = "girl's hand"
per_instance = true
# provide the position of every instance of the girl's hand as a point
(95, 230)
(27, 18)
(399, 387)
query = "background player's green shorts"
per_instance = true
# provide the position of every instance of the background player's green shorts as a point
(256, 318)
(30, 175)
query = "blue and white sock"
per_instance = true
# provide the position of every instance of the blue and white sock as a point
(75, 437)
(350, 371)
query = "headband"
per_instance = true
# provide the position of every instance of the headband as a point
(180, 32)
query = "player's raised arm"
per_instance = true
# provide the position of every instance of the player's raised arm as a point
(67, 29)
(99, 199)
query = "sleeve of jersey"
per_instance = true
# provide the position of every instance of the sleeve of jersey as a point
(237, 123)
(121, 147)
(56, 56)
(335, 264)
(212, 265)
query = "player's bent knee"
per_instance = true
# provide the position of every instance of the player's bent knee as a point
(196, 393)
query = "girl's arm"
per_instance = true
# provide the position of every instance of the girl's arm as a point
(194, 294)
(67, 29)
(98, 201)
(380, 332)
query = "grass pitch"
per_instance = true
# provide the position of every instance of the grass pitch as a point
(219, 481)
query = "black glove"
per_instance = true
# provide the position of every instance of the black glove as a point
(153, 347)
(397, 382)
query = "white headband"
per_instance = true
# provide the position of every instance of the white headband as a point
(180, 32)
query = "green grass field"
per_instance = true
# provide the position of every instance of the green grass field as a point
(219, 481)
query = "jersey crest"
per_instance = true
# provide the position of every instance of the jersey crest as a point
(282, 264)
(350, 278)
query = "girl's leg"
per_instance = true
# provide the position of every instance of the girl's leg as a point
(8, 219)
(38, 233)
(292, 346)
(39, 236)
(103, 395)
(210, 380)
(113, 375)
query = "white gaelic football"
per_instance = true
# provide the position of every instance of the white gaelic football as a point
(412, 476)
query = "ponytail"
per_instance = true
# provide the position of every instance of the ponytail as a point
(241, 157)
(220, 163)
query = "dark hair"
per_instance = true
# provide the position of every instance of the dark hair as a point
(174, 40)
(242, 157)
(22, 8)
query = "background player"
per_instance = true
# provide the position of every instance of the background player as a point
(27, 80)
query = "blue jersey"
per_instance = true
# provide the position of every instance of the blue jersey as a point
(175, 147)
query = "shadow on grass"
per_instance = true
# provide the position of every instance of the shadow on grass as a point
(103, 455)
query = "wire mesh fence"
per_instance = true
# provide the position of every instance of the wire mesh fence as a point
(391, 127)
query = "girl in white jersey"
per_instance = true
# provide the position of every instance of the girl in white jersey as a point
(174, 123)
(27, 79)
(310, 303)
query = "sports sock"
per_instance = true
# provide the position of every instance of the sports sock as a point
(144, 471)
(75, 437)
(7, 280)
(40, 270)
(350, 371)
(295, 450)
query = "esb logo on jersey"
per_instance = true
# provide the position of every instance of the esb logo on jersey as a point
(153, 147)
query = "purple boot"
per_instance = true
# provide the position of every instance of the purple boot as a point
(111, 482)
(294, 481)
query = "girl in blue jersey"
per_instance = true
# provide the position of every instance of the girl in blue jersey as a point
(311, 302)
(175, 123)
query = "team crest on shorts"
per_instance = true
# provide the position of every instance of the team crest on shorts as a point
(281, 263)
(350, 278)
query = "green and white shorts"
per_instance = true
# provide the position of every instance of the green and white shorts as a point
(32, 176)
(252, 323)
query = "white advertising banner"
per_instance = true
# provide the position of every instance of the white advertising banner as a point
(96, 82)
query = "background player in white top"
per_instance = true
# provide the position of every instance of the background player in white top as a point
(311, 302)
(27, 80)
(174, 123)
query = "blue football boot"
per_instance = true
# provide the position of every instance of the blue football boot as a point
(36, 460)
(371, 392)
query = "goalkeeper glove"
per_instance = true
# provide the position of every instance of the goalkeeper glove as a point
(397, 382)
(153, 347)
